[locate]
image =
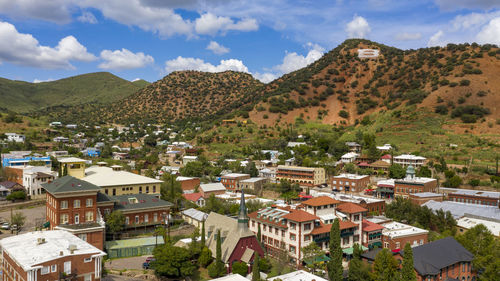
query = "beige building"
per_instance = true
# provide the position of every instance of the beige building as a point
(304, 176)
(75, 166)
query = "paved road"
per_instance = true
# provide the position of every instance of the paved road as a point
(126, 263)
(113, 277)
(33, 217)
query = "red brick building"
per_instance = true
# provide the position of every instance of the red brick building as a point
(421, 198)
(188, 184)
(350, 183)
(412, 184)
(232, 181)
(208, 189)
(49, 255)
(480, 197)
(395, 235)
(71, 205)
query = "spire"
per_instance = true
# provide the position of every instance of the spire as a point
(242, 215)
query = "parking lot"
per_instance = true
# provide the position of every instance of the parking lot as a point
(126, 263)
(34, 216)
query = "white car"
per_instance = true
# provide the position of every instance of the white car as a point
(5, 226)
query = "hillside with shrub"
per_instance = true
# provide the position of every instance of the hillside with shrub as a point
(99, 87)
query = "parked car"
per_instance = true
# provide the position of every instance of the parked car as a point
(5, 226)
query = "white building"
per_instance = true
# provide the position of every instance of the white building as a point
(349, 157)
(187, 159)
(395, 231)
(469, 221)
(294, 143)
(268, 173)
(385, 147)
(34, 177)
(299, 275)
(406, 160)
(13, 137)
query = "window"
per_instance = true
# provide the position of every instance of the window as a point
(87, 260)
(140, 189)
(292, 237)
(89, 202)
(45, 270)
(89, 216)
(64, 204)
(155, 217)
(147, 189)
(276, 231)
(127, 221)
(307, 238)
(421, 242)
(398, 245)
(292, 225)
(264, 227)
(83, 236)
(146, 218)
(53, 268)
(292, 249)
(154, 188)
(307, 226)
(76, 203)
(356, 217)
(136, 219)
(114, 191)
(77, 219)
(106, 191)
(88, 277)
(67, 267)
(345, 240)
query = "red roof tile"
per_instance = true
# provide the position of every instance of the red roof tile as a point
(387, 156)
(324, 228)
(320, 201)
(300, 216)
(192, 196)
(369, 226)
(351, 208)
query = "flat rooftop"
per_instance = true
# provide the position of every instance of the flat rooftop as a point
(426, 194)
(351, 176)
(105, 176)
(458, 209)
(469, 222)
(478, 193)
(397, 229)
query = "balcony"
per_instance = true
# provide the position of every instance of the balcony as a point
(321, 239)
(347, 233)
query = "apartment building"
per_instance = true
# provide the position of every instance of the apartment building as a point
(480, 197)
(350, 183)
(406, 160)
(254, 183)
(372, 234)
(232, 181)
(23, 158)
(49, 255)
(32, 178)
(412, 184)
(395, 235)
(304, 176)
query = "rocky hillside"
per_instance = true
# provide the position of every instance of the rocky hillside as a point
(99, 87)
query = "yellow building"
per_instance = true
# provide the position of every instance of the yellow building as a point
(74, 166)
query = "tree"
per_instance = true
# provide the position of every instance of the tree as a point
(203, 234)
(171, 190)
(240, 267)
(251, 169)
(256, 268)
(218, 256)
(16, 195)
(358, 270)
(408, 271)
(194, 246)
(396, 171)
(424, 172)
(259, 235)
(205, 257)
(18, 219)
(172, 262)
(311, 252)
(335, 269)
(65, 170)
(385, 266)
(115, 222)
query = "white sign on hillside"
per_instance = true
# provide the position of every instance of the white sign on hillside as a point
(368, 53)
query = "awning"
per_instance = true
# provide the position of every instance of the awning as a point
(376, 244)
(322, 258)
(350, 250)
(46, 225)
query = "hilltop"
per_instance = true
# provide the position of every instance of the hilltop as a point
(100, 87)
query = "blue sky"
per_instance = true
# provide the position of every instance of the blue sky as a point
(53, 39)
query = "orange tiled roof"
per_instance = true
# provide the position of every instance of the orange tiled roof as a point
(351, 208)
(300, 216)
(371, 226)
(320, 201)
(324, 228)
(192, 196)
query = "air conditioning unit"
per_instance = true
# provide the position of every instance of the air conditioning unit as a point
(72, 248)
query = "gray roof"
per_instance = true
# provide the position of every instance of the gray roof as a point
(430, 258)
(479, 193)
(247, 255)
(69, 184)
(458, 209)
(230, 234)
(426, 194)
(138, 201)
(195, 214)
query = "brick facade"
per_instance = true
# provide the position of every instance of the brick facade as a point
(400, 242)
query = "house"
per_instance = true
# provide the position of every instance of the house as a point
(13, 137)
(49, 255)
(480, 197)
(188, 184)
(61, 139)
(299, 275)
(133, 247)
(71, 205)
(208, 189)
(32, 178)
(372, 234)
(384, 148)
(231, 277)
(380, 165)
(238, 243)
(353, 146)
(196, 198)
(186, 159)
(443, 259)
(422, 197)
(254, 183)
(304, 176)
(268, 173)
(71, 126)
(22, 158)
(57, 154)
(232, 180)
(194, 217)
(395, 235)
(350, 182)
(55, 124)
(295, 144)
(386, 158)
(406, 160)
(10, 186)
(349, 157)
(412, 184)
(92, 152)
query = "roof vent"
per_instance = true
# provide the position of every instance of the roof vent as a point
(40, 241)
(61, 253)
(72, 248)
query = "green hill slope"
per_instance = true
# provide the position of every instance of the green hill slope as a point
(101, 87)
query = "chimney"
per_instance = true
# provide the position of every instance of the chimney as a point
(61, 253)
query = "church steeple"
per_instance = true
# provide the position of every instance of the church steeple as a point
(242, 215)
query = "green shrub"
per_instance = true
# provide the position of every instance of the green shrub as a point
(16, 195)
(464, 82)
(344, 114)
(474, 182)
(468, 118)
(240, 268)
(441, 109)
(453, 84)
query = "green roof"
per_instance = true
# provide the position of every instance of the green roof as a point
(69, 184)
(130, 243)
(138, 201)
(350, 250)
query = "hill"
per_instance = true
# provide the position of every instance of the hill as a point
(101, 87)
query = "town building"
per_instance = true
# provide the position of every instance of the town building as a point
(323, 207)
(406, 160)
(349, 157)
(49, 255)
(232, 180)
(114, 181)
(7, 187)
(395, 235)
(188, 184)
(23, 158)
(254, 183)
(458, 209)
(469, 221)
(422, 197)
(350, 182)
(380, 166)
(385, 148)
(299, 275)
(71, 205)
(268, 173)
(480, 197)
(372, 205)
(75, 167)
(304, 176)
(412, 184)
(32, 178)
(385, 188)
(208, 189)
(372, 234)
(195, 198)
(194, 217)
(186, 159)
(238, 243)
(57, 153)
(13, 137)
(443, 259)
(353, 146)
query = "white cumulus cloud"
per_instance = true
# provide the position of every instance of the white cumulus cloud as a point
(406, 36)
(24, 49)
(467, 4)
(42, 80)
(87, 17)
(265, 77)
(124, 59)
(490, 33)
(49, 10)
(435, 39)
(358, 28)
(217, 49)
(293, 61)
(210, 24)
(182, 63)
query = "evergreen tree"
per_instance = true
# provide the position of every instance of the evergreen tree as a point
(358, 270)
(255, 269)
(218, 256)
(385, 266)
(259, 235)
(60, 170)
(335, 269)
(65, 170)
(203, 234)
(408, 272)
